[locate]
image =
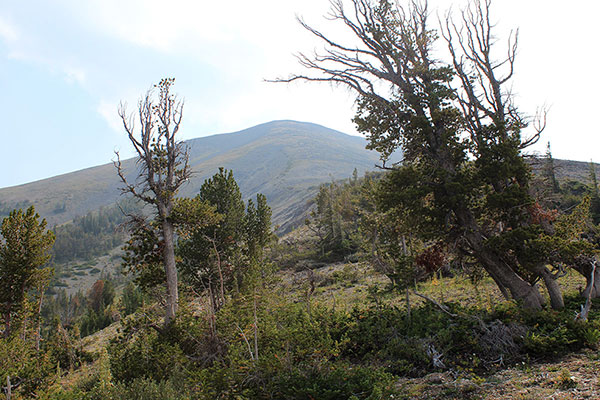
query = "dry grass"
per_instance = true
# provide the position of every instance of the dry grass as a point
(347, 285)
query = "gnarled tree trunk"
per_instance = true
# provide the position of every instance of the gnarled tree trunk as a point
(519, 289)
(592, 277)
(503, 274)
(170, 271)
(556, 298)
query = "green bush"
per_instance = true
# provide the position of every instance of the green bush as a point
(144, 355)
(30, 369)
(333, 381)
(145, 389)
(137, 389)
(552, 333)
(319, 353)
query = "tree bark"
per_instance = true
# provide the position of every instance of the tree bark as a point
(503, 274)
(585, 309)
(519, 289)
(556, 298)
(170, 270)
(592, 278)
(592, 289)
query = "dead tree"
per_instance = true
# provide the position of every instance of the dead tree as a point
(163, 167)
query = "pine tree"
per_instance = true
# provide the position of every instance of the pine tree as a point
(463, 177)
(593, 179)
(549, 170)
(595, 195)
(216, 257)
(25, 248)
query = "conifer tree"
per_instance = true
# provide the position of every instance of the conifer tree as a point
(463, 178)
(549, 170)
(258, 227)
(595, 195)
(24, 249)
(593, 179)
(215, 257)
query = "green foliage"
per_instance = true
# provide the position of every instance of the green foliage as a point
(30, 369)
(131, 299)
(145, 389)
(64, 347)
(93, 234)
(138, 389)
(336, 218)
(258, 233)
(24, 249)
(223, 192)
(66, 307)
(296, 359)
(218, 238)
(552, 333)
(463, 178)
(143, 355)
(549, 171)
(99, 313)
(221, 254)
(335, 381)
(143, 255)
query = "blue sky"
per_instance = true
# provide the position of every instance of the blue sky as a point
(67, 64)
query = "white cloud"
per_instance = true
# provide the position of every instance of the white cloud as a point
(74, 75)
(184, 24)
(7, 31)
(108, 111)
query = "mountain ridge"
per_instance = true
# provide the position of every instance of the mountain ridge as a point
(285, 160)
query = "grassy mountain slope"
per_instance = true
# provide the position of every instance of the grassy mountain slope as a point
(285, 160)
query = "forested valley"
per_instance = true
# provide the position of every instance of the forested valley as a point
(469, 269)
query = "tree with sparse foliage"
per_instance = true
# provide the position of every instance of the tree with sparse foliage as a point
(164, 168)
(25, 247)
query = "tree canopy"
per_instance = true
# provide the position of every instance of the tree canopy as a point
(24, 249)
(463, 178)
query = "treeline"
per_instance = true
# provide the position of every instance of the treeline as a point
(6, 208)
(93, 234)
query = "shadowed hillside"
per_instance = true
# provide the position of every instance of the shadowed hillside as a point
(285, 160)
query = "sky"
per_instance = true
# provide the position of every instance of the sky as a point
(65, 65)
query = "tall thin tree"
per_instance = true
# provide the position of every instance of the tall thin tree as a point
(163, 168)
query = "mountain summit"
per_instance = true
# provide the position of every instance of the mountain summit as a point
(285, 160)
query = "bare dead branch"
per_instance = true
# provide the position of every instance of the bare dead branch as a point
(437, 304)
(162, 167)
(585, 308)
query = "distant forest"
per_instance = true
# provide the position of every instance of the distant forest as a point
(93, 234)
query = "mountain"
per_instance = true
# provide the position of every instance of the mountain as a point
(285, 160)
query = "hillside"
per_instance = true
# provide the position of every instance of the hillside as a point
(285, 160)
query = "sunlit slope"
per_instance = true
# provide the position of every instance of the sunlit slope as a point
(285, 160)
